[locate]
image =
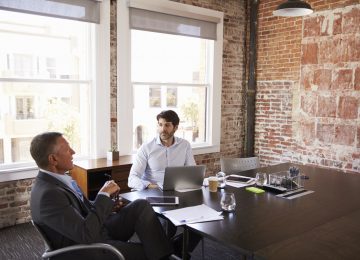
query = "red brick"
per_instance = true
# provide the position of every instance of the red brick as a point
(326, 106)
(312, 26)
(340, 49)
(4, 205)
(342, 79)
(322, 78)
(307, 130)
(351, 21)
(306, 79)
(337, 28)
(18, 203)
(309, 53)
(348, 108)
(308, 104)
(357, 79)
(325, 133)
(345, 134)
(326, 26)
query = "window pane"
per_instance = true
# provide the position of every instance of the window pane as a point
(191, 108)
(155, 97)
(158, 57)
(46, 84)
(20, 149)
(171, 97)
(184, 62)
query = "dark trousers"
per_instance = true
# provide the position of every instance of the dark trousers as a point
(138, 217)
(176, 235)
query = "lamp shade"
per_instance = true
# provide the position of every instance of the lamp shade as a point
(292, 8)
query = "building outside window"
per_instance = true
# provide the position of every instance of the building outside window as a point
(154, 97)
(24, 108)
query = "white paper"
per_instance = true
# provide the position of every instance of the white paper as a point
(195, 214)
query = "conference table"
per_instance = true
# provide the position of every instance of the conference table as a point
(324, 224)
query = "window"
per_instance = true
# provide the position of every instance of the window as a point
(24, 108)
(48, 79)
(154, 97)
(169, 70)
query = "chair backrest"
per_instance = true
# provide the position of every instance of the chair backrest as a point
(235, 165)
(43, 236)
(49, 252)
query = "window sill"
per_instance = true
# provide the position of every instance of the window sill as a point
(206, 149)
(18, 174)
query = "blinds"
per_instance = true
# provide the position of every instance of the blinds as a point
(81, 10)
(142, 19)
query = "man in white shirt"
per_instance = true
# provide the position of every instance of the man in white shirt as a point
(154, 156)
(164, 150)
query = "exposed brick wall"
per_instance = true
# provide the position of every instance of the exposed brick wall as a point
(113, 73)
(310, 67)
(14, 202)
(233, 81)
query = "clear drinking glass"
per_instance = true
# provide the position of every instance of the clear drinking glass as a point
(261, 179)
(221, 179)
(228, 202)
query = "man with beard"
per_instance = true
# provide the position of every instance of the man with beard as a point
(154, 156)
(164, 150)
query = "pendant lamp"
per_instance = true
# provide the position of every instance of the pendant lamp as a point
(293, 8)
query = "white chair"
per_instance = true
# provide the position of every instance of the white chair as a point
(49, 252)
(235, 165)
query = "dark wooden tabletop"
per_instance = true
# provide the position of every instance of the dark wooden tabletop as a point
(321, 225)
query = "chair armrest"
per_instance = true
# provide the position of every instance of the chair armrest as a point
(108, 247)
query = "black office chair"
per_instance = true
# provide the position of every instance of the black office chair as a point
(49, 252)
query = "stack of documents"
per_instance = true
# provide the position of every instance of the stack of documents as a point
(239, 181)
(195, 214)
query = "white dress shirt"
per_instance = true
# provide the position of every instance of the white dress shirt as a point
(66, 179)
(152, 159)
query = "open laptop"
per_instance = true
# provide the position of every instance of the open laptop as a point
(182, 178)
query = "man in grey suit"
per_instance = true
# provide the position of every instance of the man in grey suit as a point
(68, 218)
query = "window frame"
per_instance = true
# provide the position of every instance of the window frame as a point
(100, 96)
(125, 94)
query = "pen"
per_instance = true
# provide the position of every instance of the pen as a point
(191, 219)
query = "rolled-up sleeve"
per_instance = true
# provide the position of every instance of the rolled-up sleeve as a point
(137, 171)
(189, 156)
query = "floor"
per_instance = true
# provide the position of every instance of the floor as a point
(22, 242)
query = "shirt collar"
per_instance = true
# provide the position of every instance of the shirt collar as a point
(158, 140)
(64, 178)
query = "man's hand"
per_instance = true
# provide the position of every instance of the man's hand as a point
(111, 188)
(152, 186)
(118, 202)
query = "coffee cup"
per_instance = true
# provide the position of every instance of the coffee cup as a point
(213, 183)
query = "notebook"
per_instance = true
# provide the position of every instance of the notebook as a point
(183, 178)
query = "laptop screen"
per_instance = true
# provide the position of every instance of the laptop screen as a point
(184, 177)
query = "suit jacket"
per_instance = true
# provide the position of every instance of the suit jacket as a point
(64, 218)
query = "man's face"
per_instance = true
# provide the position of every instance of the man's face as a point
(63, 156)
(166, 129)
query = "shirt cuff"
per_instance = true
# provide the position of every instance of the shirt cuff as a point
(146, 184)
(104, 193)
